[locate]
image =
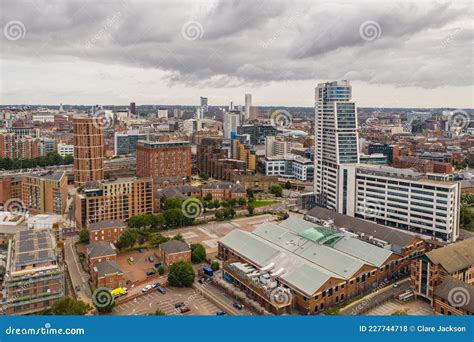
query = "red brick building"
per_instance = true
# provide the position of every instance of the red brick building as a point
(108, 274)
(164, 159)
(88, 149)
(223, 190)
(107, 230)
(100, 251)
(173, 251)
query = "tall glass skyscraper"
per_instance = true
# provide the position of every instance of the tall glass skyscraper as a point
(336, 138)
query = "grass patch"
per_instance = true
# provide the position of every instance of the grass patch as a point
(263, 203)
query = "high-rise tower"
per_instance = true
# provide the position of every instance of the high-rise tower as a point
(88, 149)
(336, 139)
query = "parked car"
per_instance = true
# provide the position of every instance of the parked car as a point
(150, 273)
(179, 305)
(147, 288)
(220, 313)
(161, 289)
(395, 285)
(184, 309)
(238, 306)
(141, 250)
(155, 285)
(130, 260)
(151, 259)
(77, 288)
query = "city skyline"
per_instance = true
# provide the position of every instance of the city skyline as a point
(82, 53)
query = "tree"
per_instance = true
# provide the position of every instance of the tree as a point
(158, 312)
(250, 208)
(175, 218)
(128, 238)
(173, 203)
(203, 176)
(219, 214)
(288, 185)
(84, 236)
(208, 197)
(161, 270)
(157, 239)
(242, 201)
(215, 266)
(198, 253)
(229, 213)
(276, 190)
(249, 193)
(178, 237)
(68, 306)
(181, 274)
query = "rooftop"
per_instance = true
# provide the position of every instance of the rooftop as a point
(305, 258)
(100, 249)
(454, 257)
(49, 175)
(106, 224)
(33, 246)
(451, 286)
(174, 246)
(107, 267)
(360, 226)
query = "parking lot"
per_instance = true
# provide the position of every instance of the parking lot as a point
(165, 302)
(136, 271)
(413, 308)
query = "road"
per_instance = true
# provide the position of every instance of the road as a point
(76, 272)
(224, 300)
(373, 299)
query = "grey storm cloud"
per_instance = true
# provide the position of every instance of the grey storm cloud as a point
(229, 43)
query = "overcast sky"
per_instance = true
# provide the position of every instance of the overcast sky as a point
(396, 53)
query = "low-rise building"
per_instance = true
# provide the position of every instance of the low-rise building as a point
(108, 274)
(446, 303)
(100, 251)
(223, 190)
(173, 251)
(299, 265)
(455, 261)
(107, 230)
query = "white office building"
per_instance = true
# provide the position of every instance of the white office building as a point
(400, 198)
(65, 149)
(288, 165)
(248, 104)
(231, 122)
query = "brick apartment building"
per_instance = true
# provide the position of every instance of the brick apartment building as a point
(88, 149)
(16, 147)
(439, 271)
(113, 200)
(164, 159)
(107, 230)
(45, 192)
